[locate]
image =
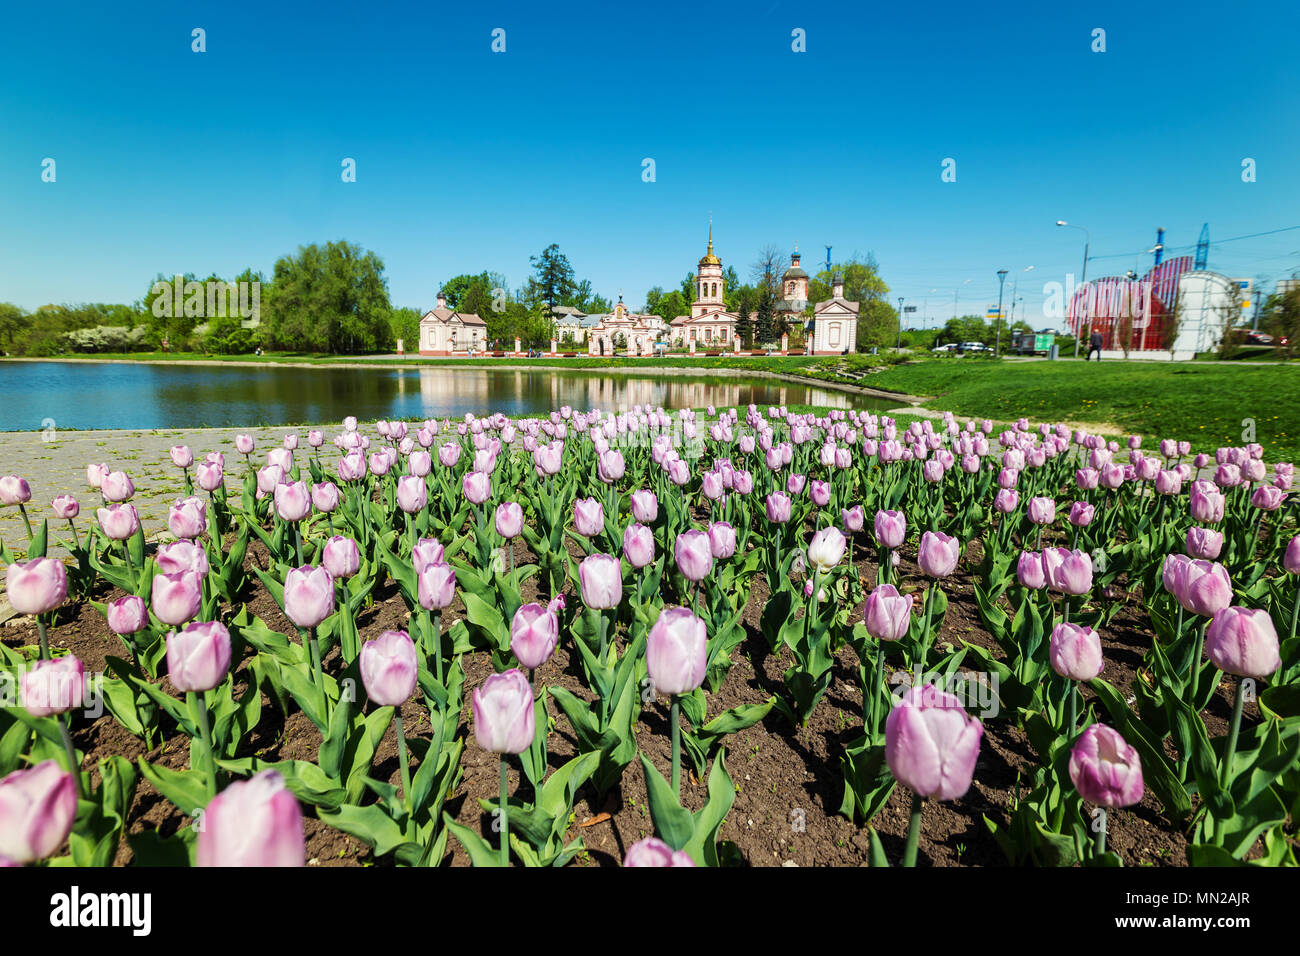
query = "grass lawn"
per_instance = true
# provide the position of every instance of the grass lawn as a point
(1201, 403)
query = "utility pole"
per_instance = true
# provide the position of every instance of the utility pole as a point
(997, 342)
(900, 321)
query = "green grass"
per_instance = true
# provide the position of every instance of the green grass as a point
(1205, 404)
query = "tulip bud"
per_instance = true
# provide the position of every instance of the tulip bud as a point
(722, 540)
(694, 555)
(182, 556)
(1042, 511)
(645, 506)
(1081, 514)
(53, 686)
(182, 457)
(1204, 588)
(38, 806)
(655, 852)
(503, 713)
(187, 519)
(853, 518)
(888, 613)
(826, 549)
(341, 557)
(117, 486)
(436, 586)
(534, 632)
(509, 519)
(198, 657)
(891, 529)
(1069, 572)
(308, 595)
(1205, 543)
(588, 517)
(389, 667)
(1291, 558)
(778, 508)
(253, 823)
(37, 585)
(1243, 641)
(931, 743)
(938, 554)
(1029, 570)
(638, 545)
(1105, 769)
(1075, 651)
(477, 487)
(427, 551)
(676, 651)
(601, 579)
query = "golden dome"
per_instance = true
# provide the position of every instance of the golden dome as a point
(709, 258)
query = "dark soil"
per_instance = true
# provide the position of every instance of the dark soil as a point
(777, 769)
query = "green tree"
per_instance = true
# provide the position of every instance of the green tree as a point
(1282, 318)
(763, 327)
(744, 325)
(331, 298)
(13, 321)
(553, 281)
(405, 325)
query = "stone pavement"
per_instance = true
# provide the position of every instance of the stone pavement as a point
(55, 464)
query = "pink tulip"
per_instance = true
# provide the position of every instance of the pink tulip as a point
(676, 651)
(778, 508)
(65, 507)
(117, 486)
(325, 496)
(820, 492)
(1268, 498)
(244, 444)
(610, 466)
(601, 578)
(95, 475)
(292, 501)
(412, 494)
(1105, 769)
(888, 613)
(1029, 570)
(503, 713)
(588, 517)
(1042, 511)
(182, 457)
(722, 540)
(427, 551)
(53, 686)
(253, 823)
(187, 519)
(118, 522)
(127, 615)
(37, 585)
(509, 519)
(1075, 651)
(891, 529)
(534, 632)
(38, 806)
(1291, 558)
(389, 667)
(1069, 572)
(638, 545)
(645, 506)
(341, 557)
(938, 554)
(1006, 501)
(1081, 514)
(198, 657)
(655, 852)
(448, 454)
(176, 597)
(14, 490)
(182, 556)
(795, 484)
(853, 518)
(1243, 641)
(1204, 588)
(1204, 543)
(693, 555)
(308, 595)
(931, 743)
(477, 487)
(1206, 504)
(352, 467)
(436, 586)
(210, 475)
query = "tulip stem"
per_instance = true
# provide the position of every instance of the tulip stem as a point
(27, 521)
(199, 709)
(297, 542)
(1234, 729)
(1100, 844)
(1295, 612)
(317, 675)
(436, 649)
(877, 682)
(130, 570)
(600, 616)
(674, 720)
(45, 638)
(1074, 713)
(505, 823)
(913, 831)
(1195, 678)
(75, 536)
(404, 761)
(74, 765)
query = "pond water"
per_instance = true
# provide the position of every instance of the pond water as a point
(74, 395)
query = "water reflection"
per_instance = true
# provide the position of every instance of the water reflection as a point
(86, 395)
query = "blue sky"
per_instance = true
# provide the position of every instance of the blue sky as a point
(175, 161)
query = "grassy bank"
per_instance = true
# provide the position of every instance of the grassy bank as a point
(1201, 403)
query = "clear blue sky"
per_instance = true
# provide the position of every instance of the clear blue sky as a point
(173, 161)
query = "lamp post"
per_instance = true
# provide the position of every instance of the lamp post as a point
(900, 322)
(997, 342)
(1083, 278)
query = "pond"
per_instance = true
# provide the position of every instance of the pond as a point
(76, 395)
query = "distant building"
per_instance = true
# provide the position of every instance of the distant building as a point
(835, 322)
(445, 331)
(794, 292)
(709, 324)
(626, 331)
(570, 321)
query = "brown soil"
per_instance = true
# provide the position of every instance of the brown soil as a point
(777, 769)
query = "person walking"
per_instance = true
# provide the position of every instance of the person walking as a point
(1095, 346)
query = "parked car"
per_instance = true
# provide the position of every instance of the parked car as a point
(948, 349)
(973, 347)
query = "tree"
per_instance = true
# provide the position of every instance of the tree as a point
(13, 320)
(1282, 318)
(553, 280)
(405, 325)
(331, 298)
(688, 289)
(732, 290)
(667, 306)
(767, 269)
(744, 326)
(877, 319)
(763, 321)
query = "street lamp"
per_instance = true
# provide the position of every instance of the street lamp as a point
(997, 343)
(900, 321)
(1087, 240)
